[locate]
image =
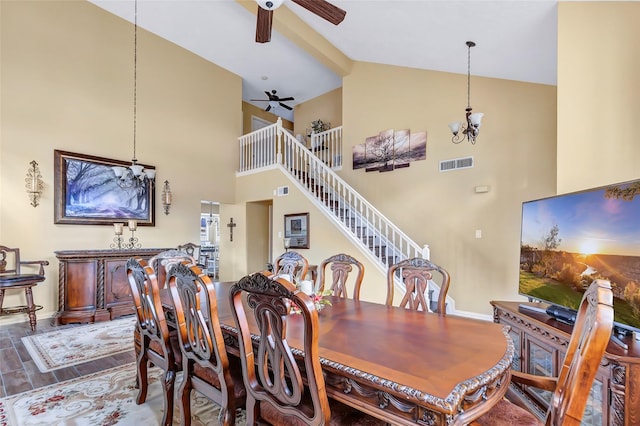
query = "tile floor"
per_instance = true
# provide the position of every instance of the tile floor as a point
(19, 373)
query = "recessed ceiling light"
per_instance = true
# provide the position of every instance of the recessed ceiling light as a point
(264, 77)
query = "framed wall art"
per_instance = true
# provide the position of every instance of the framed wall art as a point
(87, 192)
(296, 228)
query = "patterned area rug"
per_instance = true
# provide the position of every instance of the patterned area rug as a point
(106, 398)
(75, 345)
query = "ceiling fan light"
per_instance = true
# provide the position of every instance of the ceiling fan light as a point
(269, 4)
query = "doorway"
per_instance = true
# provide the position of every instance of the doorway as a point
(210, 238)
(259, 227)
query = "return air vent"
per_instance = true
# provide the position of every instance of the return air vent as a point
(456, 163)
(283, 190)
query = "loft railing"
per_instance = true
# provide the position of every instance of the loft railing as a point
(358, 219)
(327, 146)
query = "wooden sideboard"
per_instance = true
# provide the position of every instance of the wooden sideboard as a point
(93, 284)
(540, 344)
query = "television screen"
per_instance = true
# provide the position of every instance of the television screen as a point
(569, 240)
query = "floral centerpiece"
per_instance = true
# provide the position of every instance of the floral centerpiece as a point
(320, 300)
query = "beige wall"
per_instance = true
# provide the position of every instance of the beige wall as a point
(327, 108)
(324, 238)
(67, 83)
(515, 156)
(598, 87)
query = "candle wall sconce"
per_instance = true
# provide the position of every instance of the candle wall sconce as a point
(33, 183)
(166, 197)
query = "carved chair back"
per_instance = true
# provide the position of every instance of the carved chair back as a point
(273, 379)
(152, 334)
(192, 250)
(205, 364)
(341, 266)
(293, 264)
(416, 273)
(164, 261)
(572, 388)
(589, 339)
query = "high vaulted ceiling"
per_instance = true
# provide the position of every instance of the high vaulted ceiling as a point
(516, 39)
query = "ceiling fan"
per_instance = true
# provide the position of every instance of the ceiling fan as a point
(322, 8)
(275, 101)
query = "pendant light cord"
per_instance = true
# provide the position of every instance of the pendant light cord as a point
(135, 76)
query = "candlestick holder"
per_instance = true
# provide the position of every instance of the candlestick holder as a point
(133, 241)
(117, 242)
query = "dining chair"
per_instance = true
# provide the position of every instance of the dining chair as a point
(284, 385)
(341, 266)
(13, 278)
(152, 340)
(206, 367)
(163, 261)
(293, 264)
(416, 273)
(571, 389)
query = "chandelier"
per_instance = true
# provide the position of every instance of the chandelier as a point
(134, 176)
(471, 128)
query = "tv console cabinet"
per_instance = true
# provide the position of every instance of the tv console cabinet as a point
(541, 341)
(93, 284)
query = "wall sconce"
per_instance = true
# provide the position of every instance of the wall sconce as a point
(33, 183)
(166, 197)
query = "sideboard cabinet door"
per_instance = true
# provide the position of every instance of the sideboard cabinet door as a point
(93, 284)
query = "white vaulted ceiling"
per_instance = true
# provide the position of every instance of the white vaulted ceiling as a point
(516, 39)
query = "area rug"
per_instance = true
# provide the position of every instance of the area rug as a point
(106, 398)
(75, 345)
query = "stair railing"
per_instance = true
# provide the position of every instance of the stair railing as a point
(358, 219)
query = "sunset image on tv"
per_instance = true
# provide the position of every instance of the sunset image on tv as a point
(569, 240)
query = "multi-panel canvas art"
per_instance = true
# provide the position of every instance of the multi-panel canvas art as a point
(390, 150)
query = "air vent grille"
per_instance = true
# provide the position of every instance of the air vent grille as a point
(283, 190)
(456, 163)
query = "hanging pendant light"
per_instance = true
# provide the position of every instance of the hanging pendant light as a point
(471, 127)
(134, 176)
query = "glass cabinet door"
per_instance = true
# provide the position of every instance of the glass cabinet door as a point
(593, 410)
(541, 363)
(516, 364)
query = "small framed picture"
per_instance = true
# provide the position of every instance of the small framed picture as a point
(296, 229)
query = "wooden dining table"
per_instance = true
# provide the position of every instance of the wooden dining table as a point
(402, 366)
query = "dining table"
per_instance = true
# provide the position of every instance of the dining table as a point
(402, 366)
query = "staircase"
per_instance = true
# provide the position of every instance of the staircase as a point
(377, 237)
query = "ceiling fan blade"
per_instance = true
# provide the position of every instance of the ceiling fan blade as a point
(268, 108)
(269, 95)
(323, 9)
(285, 106)
(286, 99)
(263, 26)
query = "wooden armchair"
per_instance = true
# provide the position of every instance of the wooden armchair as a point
(12, 277)
(416, 274)
(589, 339)
(206, 367)
(274, 376)
(293, 264)
(341, 266)
(154, 343)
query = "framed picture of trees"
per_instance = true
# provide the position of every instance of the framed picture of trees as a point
(87, 192)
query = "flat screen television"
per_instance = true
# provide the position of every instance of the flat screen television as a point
(569, 240)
